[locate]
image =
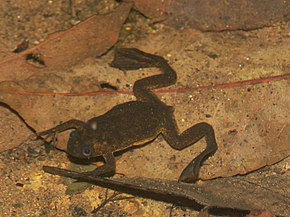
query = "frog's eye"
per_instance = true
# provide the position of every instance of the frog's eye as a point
(73, 134)
(87, 150)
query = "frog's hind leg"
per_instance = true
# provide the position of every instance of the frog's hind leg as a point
(132, 58)
(188, 138)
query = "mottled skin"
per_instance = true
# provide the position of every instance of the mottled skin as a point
(137, 122)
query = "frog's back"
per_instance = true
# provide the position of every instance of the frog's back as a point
(136, 109)
(131, 123)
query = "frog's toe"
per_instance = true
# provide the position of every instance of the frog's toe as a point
(187, 178)
(189, 174)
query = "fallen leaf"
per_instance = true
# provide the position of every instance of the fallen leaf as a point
(63, 50)
(216, 15)
(47, 67)
(157, 10)
(228, 194)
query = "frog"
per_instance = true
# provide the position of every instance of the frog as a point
(135, 123)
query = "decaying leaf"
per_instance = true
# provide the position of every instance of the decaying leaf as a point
(62, 50)
(47, 66)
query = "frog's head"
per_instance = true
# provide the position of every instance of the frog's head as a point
(82, 142)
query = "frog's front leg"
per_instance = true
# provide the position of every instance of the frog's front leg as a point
(106, 170)
(188, 138)
(71, 124)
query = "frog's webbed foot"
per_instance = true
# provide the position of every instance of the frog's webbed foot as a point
(132, 58)
(191, 172)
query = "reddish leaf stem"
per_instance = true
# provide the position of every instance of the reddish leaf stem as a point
(179, 90)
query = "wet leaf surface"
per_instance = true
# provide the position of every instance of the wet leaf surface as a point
(218, 15)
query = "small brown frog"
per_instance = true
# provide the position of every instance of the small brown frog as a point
(137, 122)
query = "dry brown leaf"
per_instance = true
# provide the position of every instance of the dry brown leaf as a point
(62, 50)
(59, 53)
